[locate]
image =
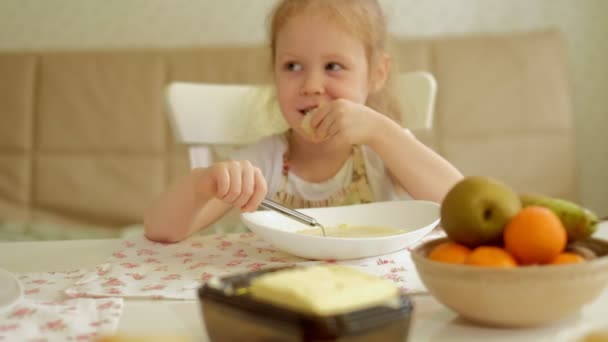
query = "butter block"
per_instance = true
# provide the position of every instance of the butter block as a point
(323, 290)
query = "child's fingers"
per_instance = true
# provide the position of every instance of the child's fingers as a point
(221, 177)
(333, 130)
(234, 170)
(248, 183)
(319, 114)
(259, 192)
(322, 131)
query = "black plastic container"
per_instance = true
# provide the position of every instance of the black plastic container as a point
(231, 314)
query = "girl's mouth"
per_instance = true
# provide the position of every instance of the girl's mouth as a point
(307, 110)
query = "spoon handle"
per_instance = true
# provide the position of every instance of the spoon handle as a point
(293, 214)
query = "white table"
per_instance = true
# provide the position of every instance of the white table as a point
(431, 321)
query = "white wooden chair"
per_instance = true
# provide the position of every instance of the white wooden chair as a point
(218, 118)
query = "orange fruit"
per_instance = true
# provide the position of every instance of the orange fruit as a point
(535, 235)
(567, 258)
(490, 256)
(449, 252)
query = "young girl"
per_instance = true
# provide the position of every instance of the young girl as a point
(330, 64)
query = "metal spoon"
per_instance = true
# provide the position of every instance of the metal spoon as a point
(292, 214)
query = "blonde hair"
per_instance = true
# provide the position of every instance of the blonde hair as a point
(362, 18)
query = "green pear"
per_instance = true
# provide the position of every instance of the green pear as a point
(476, 210)
(579, 222)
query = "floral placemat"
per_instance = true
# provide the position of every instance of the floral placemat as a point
(141, 268)
(45, 313)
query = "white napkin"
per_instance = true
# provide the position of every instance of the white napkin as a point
(45, 313)
(142, 268)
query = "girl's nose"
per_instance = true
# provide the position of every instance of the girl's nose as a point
(312, 84)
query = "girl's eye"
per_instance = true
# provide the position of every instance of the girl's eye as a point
(333, 66)
(293, 66)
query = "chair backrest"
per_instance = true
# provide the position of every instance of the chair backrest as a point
(221, 117)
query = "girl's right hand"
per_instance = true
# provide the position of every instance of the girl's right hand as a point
(237, 183)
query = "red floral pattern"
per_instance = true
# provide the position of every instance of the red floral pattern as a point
(45, 313)
(156, 270)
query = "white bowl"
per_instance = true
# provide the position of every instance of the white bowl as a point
(417, 218)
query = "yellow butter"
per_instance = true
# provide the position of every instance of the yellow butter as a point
(323, 290)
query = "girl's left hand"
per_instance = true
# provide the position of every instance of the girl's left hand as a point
(347, 122)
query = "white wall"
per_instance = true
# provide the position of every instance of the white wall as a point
(79, 24)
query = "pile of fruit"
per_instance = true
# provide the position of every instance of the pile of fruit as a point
(489, 224)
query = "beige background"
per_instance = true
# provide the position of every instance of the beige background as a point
(82, 24)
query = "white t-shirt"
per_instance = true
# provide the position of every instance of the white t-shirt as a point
(268, 153)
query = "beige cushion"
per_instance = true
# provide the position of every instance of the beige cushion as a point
(85, 139)
(505, 110)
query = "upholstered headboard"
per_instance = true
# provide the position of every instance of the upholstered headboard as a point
(84, 138)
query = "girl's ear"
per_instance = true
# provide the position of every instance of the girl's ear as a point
(379, 73)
